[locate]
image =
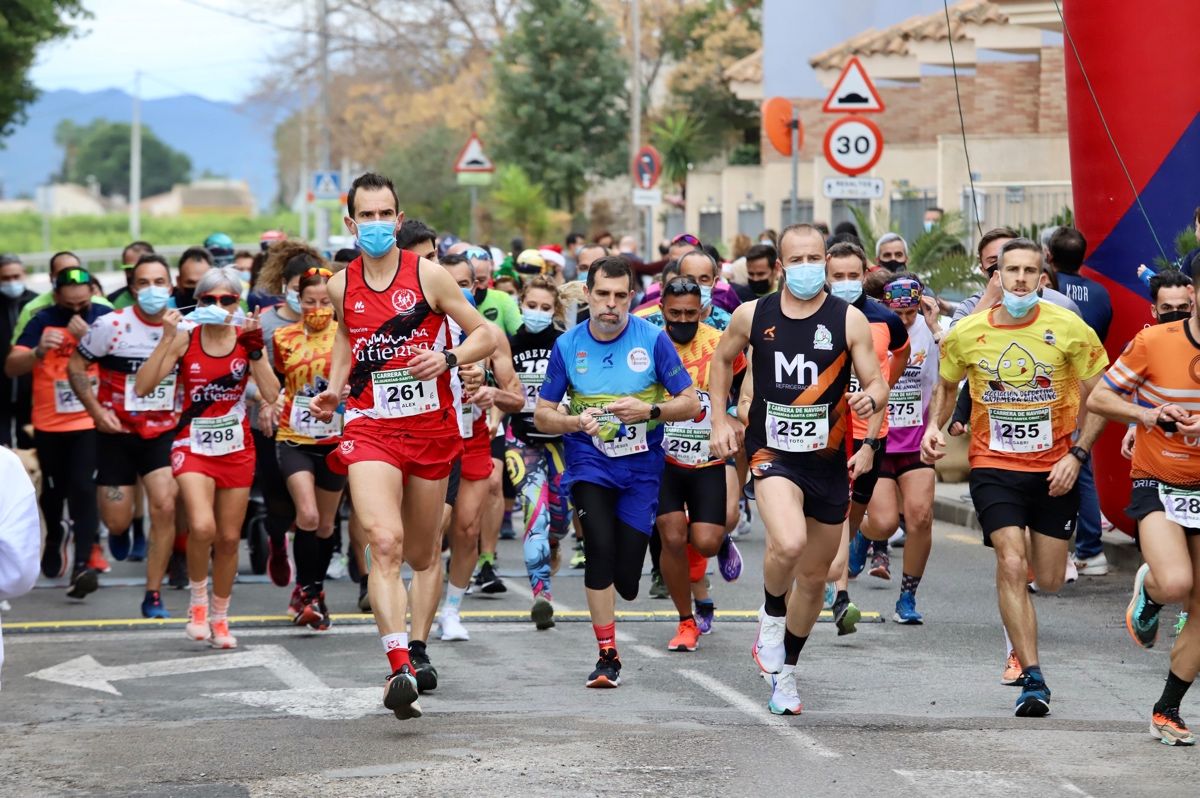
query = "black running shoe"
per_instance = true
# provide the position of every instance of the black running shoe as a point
(488, 581)
(425, 672)
(83, 582)
(400, 694)
(608, 670)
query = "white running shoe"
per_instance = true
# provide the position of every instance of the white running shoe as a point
(1092, 566)
(768, 648)
(785, 695)
(452, 627)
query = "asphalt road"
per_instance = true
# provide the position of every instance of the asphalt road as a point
(891, 710)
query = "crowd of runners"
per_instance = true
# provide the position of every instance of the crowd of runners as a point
(425, 393)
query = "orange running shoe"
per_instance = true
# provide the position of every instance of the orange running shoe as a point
(197, 626)
(220, 635)
(1170, 729)
(97, 562)
(687, 637)
(1012, 671)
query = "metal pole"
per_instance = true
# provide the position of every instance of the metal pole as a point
(135, 161)
(474, 199)
(325, 142)
(793, 210)
(635, 110)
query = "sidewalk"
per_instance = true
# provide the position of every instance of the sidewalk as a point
(952, 505)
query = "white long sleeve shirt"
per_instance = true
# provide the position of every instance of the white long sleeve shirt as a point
(20, 532)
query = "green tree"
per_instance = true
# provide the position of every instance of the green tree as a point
(561, 106)
(424, 175)
(102, 150)
(25, 25)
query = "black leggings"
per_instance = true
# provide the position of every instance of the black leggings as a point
(68, 462)
(615, 551)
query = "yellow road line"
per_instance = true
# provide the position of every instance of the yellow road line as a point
(360, 618)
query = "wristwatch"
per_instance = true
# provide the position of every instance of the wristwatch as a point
(1081, 454)
(874, 443)
(655, 412)
(451, 358)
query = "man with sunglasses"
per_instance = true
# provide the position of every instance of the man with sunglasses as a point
(64, 433)
(392, 359)
(133, 433)
(495, 305)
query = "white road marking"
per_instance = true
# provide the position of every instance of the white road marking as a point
(759, 713)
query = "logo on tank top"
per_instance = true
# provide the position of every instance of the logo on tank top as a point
(638, 359)
(822, 338)
(237, 367)
(404, 300)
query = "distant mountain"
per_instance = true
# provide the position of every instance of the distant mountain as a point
(217, 136)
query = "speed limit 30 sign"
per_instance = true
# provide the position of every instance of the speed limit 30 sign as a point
(853, 145)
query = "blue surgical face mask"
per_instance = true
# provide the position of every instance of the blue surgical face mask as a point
(1018, 306)
(848, 290)
(805, 280)
(536, 320)
(208, 314)
(705, 296)
(293, 301)
(376, 238)
(153, 298)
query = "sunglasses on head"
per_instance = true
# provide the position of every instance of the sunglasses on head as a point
(321, 270)
(685, 238)
(226, 300)
(475, 253)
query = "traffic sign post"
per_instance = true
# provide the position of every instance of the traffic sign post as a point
(853, 145)
(473, 168)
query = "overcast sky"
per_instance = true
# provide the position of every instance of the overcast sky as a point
(190, 46)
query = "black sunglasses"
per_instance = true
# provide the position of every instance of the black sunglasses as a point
(226, 300)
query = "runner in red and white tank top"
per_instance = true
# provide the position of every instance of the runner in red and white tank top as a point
(212, 456)
(391, 362)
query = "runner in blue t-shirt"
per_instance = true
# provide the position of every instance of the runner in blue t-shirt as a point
(615, 373)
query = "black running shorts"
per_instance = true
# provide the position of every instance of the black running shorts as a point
(1022, 499)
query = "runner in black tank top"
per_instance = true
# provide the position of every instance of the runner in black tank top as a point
(804, 344)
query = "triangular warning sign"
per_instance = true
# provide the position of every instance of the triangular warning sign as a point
(853, 91)
(472, 158)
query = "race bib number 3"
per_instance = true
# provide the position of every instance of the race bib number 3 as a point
(792, 428)
(65, 400)
(303, 422)
(217, 436)
(1181, 506)
(1020, 431)
(904, 409)
(161, 398)
(399, 394)
(532, 384)
(618, 439)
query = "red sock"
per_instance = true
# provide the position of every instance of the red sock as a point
(606, 636)
(697, 564)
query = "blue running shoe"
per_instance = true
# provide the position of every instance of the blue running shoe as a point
(858, 554)
(152, 606)
(1035, 698)
(729, 560)
(1141, 617)
(119, 545)
(137, 553)
(704, 616)
(906, 609)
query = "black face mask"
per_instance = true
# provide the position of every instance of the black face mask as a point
(1174, 315)
(480, 295)
(682, 332)
(759, 287)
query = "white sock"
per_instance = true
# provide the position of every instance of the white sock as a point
(454, 597)
(397, 640)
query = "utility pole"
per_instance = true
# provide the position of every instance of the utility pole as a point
(635, 110)
(135, 161)
(325, 142)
